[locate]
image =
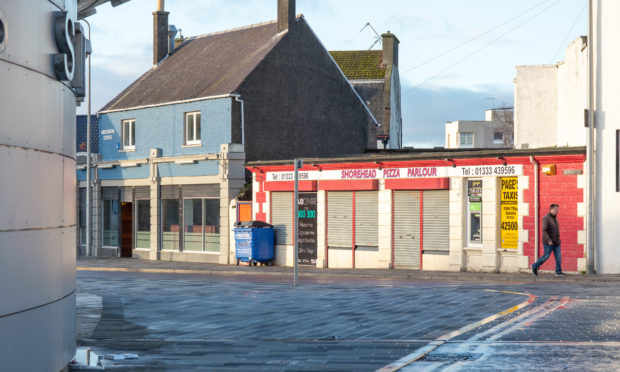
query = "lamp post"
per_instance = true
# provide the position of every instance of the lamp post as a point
(88, 155)
(298, 164)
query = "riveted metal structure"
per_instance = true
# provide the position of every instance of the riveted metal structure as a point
(38, 61)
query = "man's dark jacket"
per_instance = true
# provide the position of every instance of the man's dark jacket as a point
(550, 229)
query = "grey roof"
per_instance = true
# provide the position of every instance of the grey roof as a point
(203, 66)
(372, 95)
(81, 130)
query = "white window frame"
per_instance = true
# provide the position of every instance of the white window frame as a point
(131, 146)
(466, 135)
(498, 141)
(186, 129)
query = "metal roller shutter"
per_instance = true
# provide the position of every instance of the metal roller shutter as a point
(436, 220)
(367, 218)
(407, 229)
(109, 193)
(339, 221)
(170, 192)
(143, 192)
(201, 191)
(282, 217)
(127, 194)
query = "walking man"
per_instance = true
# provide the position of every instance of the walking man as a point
(551, 241)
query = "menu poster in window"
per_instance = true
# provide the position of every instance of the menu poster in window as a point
(307, 203)
(474, 190)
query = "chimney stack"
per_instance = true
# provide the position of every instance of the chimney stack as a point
(390, 48)
(160, 33)
(286, 14)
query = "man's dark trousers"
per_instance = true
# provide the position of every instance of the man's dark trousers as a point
(557, 253)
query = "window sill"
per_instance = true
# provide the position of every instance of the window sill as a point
(191, 145)
(128, 150)
(142, 249)
(202, 252)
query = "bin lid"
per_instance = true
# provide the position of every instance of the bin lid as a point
(252, 224)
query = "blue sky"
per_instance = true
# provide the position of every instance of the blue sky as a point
(473, 46)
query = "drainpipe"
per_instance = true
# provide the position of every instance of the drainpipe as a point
(590, 220)
(238, 99)
(536, 207)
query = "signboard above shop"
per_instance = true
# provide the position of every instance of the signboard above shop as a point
(401, 173)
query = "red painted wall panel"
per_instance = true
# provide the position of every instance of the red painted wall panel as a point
(349, 185)
(560, 189)
(418, 184)
(290, 186)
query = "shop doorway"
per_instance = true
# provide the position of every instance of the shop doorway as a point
(407, 230)
(126, 229)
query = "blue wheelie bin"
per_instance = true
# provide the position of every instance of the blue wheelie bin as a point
(254, 242)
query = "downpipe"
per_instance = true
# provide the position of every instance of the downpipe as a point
(536, 206)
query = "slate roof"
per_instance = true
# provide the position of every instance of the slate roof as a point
(372, 95)
(360, 64)
(203, 66)
(80, 133)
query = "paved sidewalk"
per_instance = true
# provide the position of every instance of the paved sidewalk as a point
(136, 265)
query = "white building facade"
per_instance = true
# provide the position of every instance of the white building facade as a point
(493, 132)
(549, 111)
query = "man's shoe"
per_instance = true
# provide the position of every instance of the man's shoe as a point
(534, 271)
(560, 274)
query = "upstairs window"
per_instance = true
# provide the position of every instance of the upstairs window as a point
(498, 138)
(129, 134)
(192, 128)
(466, 139)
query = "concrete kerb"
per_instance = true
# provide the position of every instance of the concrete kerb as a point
(145, 266)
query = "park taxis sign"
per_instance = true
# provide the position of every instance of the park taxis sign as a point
(400, 173)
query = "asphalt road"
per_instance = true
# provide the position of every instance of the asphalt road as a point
(179, 322)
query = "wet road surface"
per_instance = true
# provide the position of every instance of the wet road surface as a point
(217, 323)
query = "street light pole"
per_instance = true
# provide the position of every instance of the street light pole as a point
(88, 165)
(590, 177)
(298, 163)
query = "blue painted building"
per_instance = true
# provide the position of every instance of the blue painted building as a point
(173, 144)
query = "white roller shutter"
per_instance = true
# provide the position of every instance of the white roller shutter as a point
(170, 192)
(143, 192)
(339, 219)
(282, 217)
(436, 220)
(127, 194)
(407, 229)
(367, 218)
(109, 193)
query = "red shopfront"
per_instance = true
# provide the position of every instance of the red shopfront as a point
(382, 212)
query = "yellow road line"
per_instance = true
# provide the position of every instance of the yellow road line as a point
(425, 350)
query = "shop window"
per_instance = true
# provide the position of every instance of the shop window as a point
(201, 232)
(143, 225)
(110, 223)
(498, 138)
(192, 128)
(82, 217)
(129, 134)
(466, 139)
(474, 211)
(170, 224)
